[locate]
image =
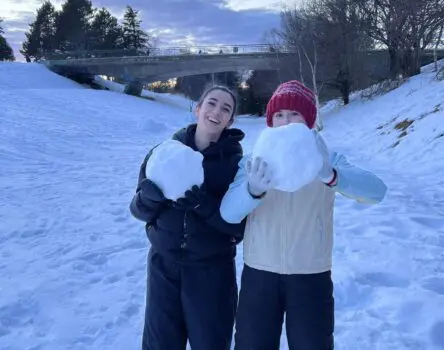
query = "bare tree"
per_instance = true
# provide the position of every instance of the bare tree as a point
(344, 44)
(438, 40)
(426, 17)
(298, 32)
(405, 27)
(330, 38)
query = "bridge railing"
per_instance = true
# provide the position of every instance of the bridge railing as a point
(166, 51)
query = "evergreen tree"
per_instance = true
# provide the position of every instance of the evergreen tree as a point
(6, 53)
(133, 36)
(105, 33)
(73, 25)
(41, 34)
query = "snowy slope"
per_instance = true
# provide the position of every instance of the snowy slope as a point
(72, 259)
(171, 99)
(389, 259)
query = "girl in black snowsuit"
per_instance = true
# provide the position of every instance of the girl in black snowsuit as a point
(192, 288)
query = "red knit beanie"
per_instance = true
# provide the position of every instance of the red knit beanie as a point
(294, 96)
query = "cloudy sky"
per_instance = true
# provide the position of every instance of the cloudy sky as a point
(175, 22)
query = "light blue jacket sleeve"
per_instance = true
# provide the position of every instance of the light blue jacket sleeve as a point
(356, 183)
(352, 182)
(237, 202)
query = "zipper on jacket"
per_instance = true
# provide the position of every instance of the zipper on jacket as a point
(283, 250)
(183, 243)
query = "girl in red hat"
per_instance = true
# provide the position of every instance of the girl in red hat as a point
(288, 258)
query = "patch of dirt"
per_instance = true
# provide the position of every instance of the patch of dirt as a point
(404, 125)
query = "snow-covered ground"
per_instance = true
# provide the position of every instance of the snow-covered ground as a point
(167, 98)
(73, 260)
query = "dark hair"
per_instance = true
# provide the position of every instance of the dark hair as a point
(221, 88)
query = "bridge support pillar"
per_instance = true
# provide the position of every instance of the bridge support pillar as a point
(134, 88)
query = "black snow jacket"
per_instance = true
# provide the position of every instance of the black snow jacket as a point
(181, 233)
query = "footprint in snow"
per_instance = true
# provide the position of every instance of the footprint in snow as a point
(83, 341)
(19, 313)
(129, 311)
(434, 284)
(33, 233)
(437, 334)
(383, 279)
(408, 315)
(394, 232)
(3, 330)
(350, 294)
(112, 279)
(37, 347)
(433, 222)
(96, 259)
(394, 227)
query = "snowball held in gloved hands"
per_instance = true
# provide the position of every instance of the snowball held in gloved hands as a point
(291, 151)
(175, 168)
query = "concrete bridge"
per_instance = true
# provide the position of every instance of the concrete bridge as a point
(137, 67)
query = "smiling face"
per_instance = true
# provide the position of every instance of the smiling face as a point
(285, 117)
(215, 113)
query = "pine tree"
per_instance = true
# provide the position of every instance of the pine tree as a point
(105, 33)
(41, 34)
(133, 36)
(6, 52)
(73, 25)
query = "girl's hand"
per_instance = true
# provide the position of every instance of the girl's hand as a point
(260, 177)
(199, 201)
(150, 191)
(326, 174)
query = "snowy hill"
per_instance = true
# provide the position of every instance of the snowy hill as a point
(173, 100)
(389, 259)
(73, 260)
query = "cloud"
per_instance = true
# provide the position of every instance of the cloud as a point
(208, 21)
(174, 22)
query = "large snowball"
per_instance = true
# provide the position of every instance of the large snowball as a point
(175, 168)
(292, 154)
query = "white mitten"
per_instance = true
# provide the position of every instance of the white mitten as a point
(260, 177)
(326, 173)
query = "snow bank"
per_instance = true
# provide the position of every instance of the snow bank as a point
(175, 100)
(32, 76)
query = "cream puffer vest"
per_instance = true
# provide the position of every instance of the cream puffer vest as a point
(292, 233)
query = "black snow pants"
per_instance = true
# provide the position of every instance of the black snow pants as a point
(189, 302)
(306, 300)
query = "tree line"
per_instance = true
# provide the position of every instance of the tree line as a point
(80, 26)
(342, 46)
(6, 52)
(334, 38)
